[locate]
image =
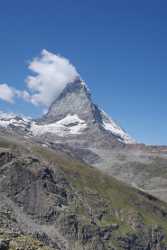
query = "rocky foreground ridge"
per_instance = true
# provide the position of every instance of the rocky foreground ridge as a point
(49, 200)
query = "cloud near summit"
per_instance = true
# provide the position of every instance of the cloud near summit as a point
(6, 93)
(50, 74)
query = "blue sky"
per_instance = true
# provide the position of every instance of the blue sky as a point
(118, 47)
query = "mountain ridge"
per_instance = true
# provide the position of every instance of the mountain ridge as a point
(75, 100)
(75, 125)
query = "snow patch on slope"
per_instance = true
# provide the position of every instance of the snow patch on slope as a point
(6, 116)
(10, 119)
(71, 124)
(111, 126)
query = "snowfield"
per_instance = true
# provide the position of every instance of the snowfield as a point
(71, 124)
(9, 119)
(110, 125)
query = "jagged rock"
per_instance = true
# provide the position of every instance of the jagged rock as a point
(88, 232)
(70, 226)
(69, 205)
(4, 244)
(5, 157)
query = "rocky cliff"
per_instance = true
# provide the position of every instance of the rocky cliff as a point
(62, 203)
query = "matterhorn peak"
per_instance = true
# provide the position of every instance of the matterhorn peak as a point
(75, 99)
(72, 117)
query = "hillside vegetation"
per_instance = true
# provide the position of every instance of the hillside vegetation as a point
(51, 200)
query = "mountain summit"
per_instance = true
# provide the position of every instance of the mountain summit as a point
(72, 117)
(74, 99)
(74, 105)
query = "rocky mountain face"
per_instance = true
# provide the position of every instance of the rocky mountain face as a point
(75, 100)
(52, 201)
(78, 127)
(57, 189)
(71, 115)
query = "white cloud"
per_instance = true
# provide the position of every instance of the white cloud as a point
(23, 94)
(7, 93)
(52, 74)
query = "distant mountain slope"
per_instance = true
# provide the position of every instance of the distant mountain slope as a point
(68, 205)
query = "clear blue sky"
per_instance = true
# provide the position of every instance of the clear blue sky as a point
(119, 47)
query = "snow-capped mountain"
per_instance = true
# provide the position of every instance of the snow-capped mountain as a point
(75, 100)
(79, 128)
(73, 115)
(10, 121)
